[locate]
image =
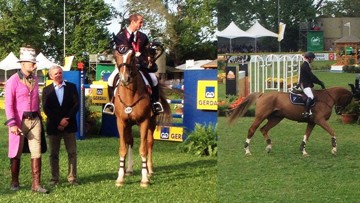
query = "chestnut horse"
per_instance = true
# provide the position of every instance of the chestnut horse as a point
(133, 107)
(275, 106)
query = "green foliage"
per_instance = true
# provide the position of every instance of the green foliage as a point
(186, 27)
(352, 108)
(201, 142)
(351, 69)
(40, 24)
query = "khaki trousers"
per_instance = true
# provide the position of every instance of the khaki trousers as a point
(70, 145)
(31, 128)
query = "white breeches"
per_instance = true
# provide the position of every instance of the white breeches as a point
(308, 92)
(116, 71)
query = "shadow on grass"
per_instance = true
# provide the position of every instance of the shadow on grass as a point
(164, 173)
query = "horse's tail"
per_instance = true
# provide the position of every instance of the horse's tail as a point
(240, 110)
(164, 118)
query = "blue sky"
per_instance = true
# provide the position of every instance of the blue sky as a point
(114, 26)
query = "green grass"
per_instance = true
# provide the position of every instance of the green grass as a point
(285, 175)
(179, 177)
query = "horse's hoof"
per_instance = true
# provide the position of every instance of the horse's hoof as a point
(268, 149)
(247, 154)
(144, 183)
(306, 155)
(150, 174)
(129, 173)
(119, 183)
(333, 152)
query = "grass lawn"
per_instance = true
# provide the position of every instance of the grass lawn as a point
(285, 175)
(178, 177)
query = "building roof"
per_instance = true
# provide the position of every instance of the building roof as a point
(348, 39)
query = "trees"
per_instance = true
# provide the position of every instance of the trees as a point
(40, 24)
(184, 26)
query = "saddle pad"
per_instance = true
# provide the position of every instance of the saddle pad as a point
(296, 99)
(299, 99)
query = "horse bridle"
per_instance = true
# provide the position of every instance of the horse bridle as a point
(123, 50)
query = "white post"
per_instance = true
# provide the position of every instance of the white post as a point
(64, 31)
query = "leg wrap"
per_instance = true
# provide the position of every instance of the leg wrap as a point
(333, 141)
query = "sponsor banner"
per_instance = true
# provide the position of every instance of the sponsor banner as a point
(169, 133)
(99, 92)
(207, 95)
(319, 56)
(315, 41)
(102, 69)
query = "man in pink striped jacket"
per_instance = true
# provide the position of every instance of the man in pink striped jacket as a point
(22, 108)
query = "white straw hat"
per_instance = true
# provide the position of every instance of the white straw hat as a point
(27, 54)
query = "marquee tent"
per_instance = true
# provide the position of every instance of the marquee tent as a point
(233, 31)
(43, 62)
(259, 31)
(10, 62)
(193, 65)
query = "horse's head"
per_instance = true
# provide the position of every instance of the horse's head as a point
(342, 101)
(125, 60)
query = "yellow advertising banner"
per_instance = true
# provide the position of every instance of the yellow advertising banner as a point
(169, 133)
(99, 92)
(207, 91)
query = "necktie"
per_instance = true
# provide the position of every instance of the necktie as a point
(131, 38)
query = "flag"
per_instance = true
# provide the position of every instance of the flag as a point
(68, 62)
(281, 31)
(347, 24)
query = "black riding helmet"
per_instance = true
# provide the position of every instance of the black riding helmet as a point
(309, 55)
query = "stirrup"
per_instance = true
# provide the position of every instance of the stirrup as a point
(307, 114)
(109, 108)
(157, 107)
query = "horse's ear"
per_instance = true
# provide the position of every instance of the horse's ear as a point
(116, 39)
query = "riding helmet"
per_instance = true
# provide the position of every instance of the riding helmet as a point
(309, 55)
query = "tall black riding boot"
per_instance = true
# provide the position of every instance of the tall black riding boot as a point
(156, 105)
(109, 107)
(308, 103)
(15, 170)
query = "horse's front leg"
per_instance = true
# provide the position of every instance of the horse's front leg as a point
(143, 154)
(328, 129)
(309, 128)
(122, 154)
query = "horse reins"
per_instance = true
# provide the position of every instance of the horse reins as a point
(332, 98)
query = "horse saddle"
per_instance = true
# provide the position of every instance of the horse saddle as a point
(299, 99)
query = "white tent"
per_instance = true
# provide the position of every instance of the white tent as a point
(43, 62)
(193, 65)
(233, 31)
(10, 62)
(259, 31)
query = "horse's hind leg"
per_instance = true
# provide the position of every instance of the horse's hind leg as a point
(149, 145)
(272, 121)
(130, 156)
(251, 132)
(309, 128)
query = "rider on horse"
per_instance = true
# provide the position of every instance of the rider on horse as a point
(307, 80)
(145, 60)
